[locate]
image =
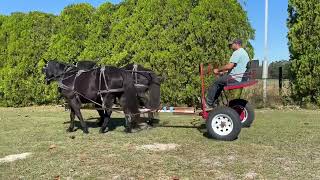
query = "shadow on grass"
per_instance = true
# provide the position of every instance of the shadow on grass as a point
(112, 125)
(193, 125)
(118, 122)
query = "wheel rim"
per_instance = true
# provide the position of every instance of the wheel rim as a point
(222, 124)
(243, 113)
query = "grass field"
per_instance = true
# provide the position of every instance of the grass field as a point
(280, 145)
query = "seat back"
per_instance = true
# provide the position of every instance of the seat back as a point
(250, 72)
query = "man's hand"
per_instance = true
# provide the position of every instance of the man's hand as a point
(216, 71)
(224, 69)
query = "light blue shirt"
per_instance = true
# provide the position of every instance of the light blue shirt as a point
(240, 57)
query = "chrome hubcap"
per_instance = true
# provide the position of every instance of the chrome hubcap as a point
(222, 124)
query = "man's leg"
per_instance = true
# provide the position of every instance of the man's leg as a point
(215, 89)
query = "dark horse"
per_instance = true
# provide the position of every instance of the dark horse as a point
(100, 86)
(86, 65)
(146, 82)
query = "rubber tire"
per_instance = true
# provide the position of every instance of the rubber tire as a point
(235, 120)
(250, 110)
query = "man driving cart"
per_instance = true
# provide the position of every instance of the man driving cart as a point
(236, 66)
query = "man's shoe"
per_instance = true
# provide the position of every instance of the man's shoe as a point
(208, 107)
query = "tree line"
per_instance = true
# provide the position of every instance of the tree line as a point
(172, 37)
(304, 46)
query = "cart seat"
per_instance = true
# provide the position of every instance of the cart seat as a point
(246, 79)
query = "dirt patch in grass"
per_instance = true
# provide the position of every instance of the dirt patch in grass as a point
(250, 175)
(158, 147)
(14, 157)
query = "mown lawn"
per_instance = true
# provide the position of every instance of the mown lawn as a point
(280, 145)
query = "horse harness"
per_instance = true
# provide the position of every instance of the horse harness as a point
(134, 73)
(102, 78)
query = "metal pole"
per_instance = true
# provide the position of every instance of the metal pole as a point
(280, 80)
(265, 61)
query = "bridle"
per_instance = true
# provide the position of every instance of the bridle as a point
(59, 76)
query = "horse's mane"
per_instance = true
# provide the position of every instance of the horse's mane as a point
(59, 62)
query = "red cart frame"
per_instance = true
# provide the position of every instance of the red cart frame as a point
(231, 84)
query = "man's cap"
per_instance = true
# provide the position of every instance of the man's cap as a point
(236, 41)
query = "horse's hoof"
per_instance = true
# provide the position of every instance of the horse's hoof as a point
(135, 130)
(148, 127)
(71, 130)
(144, 126)
(104, 131)
(86, 131)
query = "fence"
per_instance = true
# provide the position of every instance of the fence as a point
(278, 92)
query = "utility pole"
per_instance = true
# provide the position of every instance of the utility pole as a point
(265, 61)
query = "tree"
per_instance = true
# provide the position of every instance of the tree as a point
(304, 38)
(97, 46)
(274, 69)
(171, 37)
(24, 39)
(73, 30)
(3, 41)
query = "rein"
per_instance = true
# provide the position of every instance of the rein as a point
(65, 71)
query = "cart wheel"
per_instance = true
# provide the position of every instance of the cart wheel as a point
(224, 124)
(244, 109)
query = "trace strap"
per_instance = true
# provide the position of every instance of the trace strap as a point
(101, 90)
(134, 73)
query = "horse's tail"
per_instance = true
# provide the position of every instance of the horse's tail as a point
(154, 92)
(130, 94)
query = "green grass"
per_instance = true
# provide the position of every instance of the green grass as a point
(279, 145)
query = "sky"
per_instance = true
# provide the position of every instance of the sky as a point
(277, 42)
(277, 36)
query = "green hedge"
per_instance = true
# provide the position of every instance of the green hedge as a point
(170, 36)
(304, 38)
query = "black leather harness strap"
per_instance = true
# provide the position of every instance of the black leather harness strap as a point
(105, 90)
(134, 73)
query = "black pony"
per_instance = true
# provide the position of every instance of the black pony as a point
(147, 84)
(100, 86)
(86, 65)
